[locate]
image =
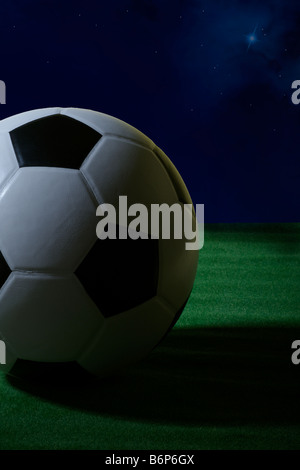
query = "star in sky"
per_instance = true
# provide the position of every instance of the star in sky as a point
(252, 38)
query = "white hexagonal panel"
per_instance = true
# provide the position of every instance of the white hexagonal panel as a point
(177, 270)
(47, 219)
(9, 164)
(127, 337)
(106, 124)
(180, 187)
(47, 318)
(118, 167)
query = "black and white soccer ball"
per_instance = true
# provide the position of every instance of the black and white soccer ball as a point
(66, 295)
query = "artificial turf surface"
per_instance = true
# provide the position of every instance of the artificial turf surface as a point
(222, 379)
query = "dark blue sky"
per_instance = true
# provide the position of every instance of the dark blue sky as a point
(184, 73)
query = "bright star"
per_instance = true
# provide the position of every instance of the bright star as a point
(251, 38)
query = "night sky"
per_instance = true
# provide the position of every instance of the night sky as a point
(209, 81)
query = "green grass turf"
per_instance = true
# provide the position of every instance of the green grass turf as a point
(222, 379)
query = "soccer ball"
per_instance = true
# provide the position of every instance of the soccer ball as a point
(65, 294)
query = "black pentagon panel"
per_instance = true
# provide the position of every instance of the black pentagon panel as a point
(4, 270)
(179, 186)
(53, 141)
(120, 274)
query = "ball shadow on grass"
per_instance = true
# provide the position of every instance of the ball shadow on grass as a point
(213, 376)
